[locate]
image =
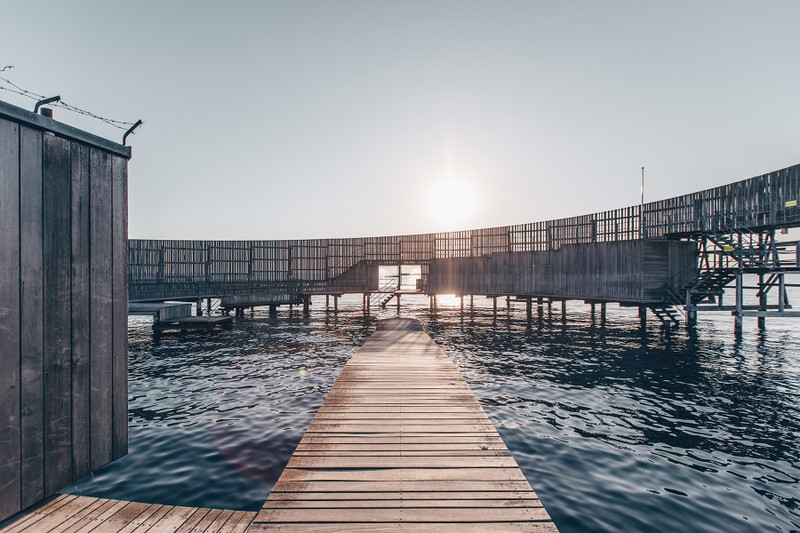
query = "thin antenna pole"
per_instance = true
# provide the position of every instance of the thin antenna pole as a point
(641, 209)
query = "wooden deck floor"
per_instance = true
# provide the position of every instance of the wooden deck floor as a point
(401, 443)
(72, 514)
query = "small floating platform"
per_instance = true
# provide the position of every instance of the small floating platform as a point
(70, 513)
(193, 323)
(402, 443)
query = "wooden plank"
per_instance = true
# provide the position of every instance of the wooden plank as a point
(31, 315)
(53, 517)
(434, 485)
(417, 527)
(192, 520)
(410, 496)
(127, 515)
(219, 521)
(56, 176)
(31, 515)
(9, 321)
(67, 525)
(119, 271)
(101, 307)
(400, 502)
(81, 416)
(174, 518)
(400, 461)
(343, 516)
(208, 519)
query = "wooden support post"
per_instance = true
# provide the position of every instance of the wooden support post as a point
(335, 303)
(430, 302)
(528, 306)
(737, 321)
(591, 305)
(781, 293)
(208, 306)
(273, 311)
(540, 308)
(199, 307)
(368, 298)
(643, 317)
(471, 303)
(762, 301)
(563, 310)
(306, 304)
(327, 301)
(397, 296)
(494, 305)
(462, 305)
(603, 314)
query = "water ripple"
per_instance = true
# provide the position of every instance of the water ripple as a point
(615, 430)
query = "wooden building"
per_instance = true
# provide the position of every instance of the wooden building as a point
(63, 306)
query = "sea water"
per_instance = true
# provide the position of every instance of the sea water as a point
(617, 430)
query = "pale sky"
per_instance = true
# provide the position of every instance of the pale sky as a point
(271, 120)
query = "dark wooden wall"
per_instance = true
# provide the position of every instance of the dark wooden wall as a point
(627, 271)
(63, 306)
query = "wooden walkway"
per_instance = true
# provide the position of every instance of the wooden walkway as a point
(401, 443)
(80, 514)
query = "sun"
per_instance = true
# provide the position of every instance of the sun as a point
(451, 201)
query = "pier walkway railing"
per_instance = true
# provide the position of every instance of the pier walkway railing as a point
(161, 269)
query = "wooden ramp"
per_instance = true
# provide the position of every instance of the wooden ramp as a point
(71, 514)
(401, 443)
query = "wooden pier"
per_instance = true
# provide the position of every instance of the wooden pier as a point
(401, 443)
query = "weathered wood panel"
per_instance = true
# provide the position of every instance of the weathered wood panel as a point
(81, 438)
(631, 271)
(31, 316)
(100, 319)
(119, 271)
(9, 320)
(57, 252)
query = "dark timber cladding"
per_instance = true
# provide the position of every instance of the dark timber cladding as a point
(627, 271)
(63, 299)
(401, 442)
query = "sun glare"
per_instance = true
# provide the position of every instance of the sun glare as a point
(447, 300)
(451, 201)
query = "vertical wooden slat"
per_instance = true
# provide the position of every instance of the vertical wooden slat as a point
(100, 329)
(56, 174)
(9, 321)
(31, 316)
(119, 233)
(80, 312)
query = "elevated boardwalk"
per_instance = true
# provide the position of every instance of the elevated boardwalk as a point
(401, 443)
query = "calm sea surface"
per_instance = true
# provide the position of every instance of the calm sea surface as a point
(616, 431)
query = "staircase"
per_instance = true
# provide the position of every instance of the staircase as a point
(384, 295)
(737, 249)
(667, 314)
